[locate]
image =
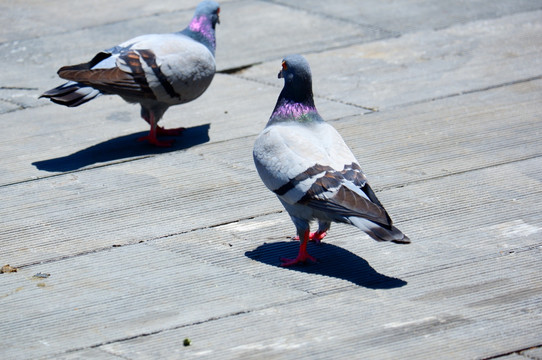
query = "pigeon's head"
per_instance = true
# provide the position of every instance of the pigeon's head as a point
(295, 101)
(297, 78)
(210, 10)
(295, 68)
(202, 25)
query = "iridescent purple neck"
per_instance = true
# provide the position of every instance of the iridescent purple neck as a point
(202, 25)
(292, 110)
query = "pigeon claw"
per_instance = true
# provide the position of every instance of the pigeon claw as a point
(301, 258)
(154, 141)
(303, 255)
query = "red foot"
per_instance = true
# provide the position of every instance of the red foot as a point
(301, 258)
(156, 142)
(169, 132)
(314, 236)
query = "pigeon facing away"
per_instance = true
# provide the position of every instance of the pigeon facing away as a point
(156, 71)
(307, 164)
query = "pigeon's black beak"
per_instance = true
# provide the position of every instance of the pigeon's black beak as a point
(280, 75)
(218, 16)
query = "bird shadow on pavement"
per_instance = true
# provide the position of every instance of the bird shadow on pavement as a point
(332, 261)
(123, 147)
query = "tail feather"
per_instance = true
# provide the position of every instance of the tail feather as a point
(378, 232)
(71, 94)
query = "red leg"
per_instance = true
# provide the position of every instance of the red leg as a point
(302, 256)
(152, 134)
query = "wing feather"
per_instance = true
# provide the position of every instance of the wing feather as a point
(115, 80)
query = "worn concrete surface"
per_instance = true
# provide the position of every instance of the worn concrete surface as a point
(145, 247)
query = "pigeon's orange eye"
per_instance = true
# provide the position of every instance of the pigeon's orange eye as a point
(284, 66)
(218, 11)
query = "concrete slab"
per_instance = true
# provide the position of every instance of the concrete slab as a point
(456, 325)
(118, 294)
(146, 248)
(37, 57)
(350, 258)
(401, 18)
(161, 185)
(34, 19)
(428, 140)
(427, 65)
(50, 139)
